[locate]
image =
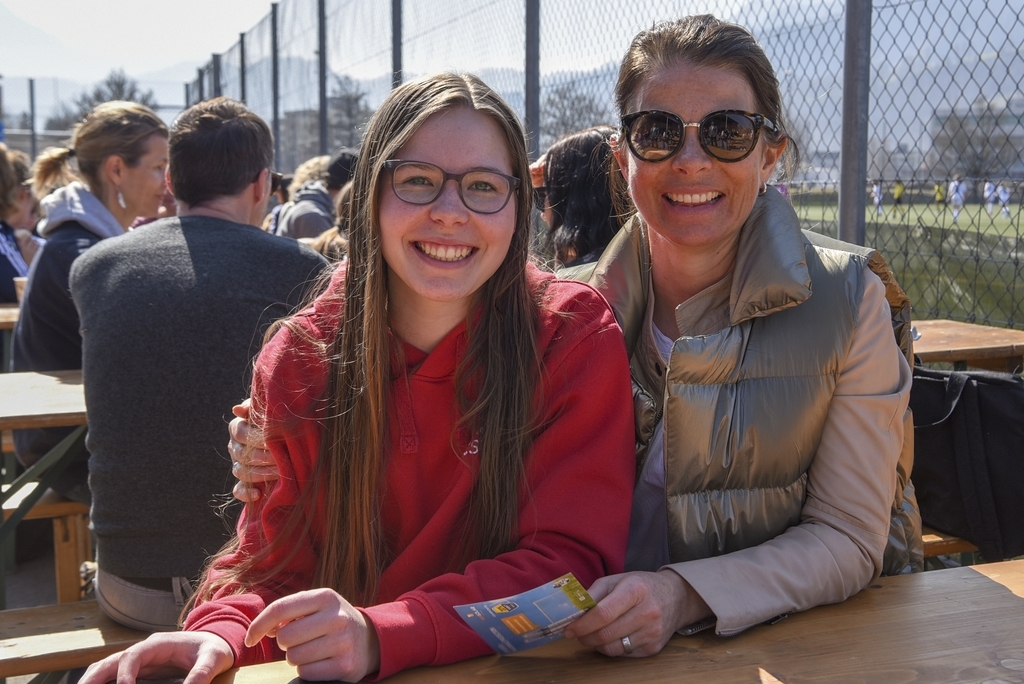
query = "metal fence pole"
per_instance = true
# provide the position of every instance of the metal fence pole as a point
(532, 77)
(396, 43)
(188, 96)
(275, 82)
(321, 19)
(32, 114)
(217, 90)
(241, 66)
(856, 91)
(199, 82)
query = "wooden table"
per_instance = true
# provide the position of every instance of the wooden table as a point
(8, 319)
(963, 624)
(968, 344)
(38, 400)
(59, 637)
(8, 316)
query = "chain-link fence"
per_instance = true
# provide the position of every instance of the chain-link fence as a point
(944, 115)
(937, 184)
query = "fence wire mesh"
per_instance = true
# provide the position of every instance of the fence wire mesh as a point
(231, 72)
(359, 60)
(946, 135)
(946, 113)
(259, 69)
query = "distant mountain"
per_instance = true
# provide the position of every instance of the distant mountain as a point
(26, 50)
(925, 62)
(179, 73)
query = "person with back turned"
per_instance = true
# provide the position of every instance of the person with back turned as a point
(172, 315)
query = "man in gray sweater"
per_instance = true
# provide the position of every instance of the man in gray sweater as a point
(172, 316)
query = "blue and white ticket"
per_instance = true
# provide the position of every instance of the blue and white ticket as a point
(530, 619)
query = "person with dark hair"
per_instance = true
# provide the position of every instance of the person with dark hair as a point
(172, 315)
(18, 215)
(575, 198)
(449, 422)
(120, 151)
(773, 473)
(280, 197)
(311, 211)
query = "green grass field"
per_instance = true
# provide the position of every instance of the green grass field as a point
(971, 270)
(972, 217)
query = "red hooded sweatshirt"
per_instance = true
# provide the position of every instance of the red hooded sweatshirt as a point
(574, 507)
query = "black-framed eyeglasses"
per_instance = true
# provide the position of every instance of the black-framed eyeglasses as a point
(482, 191)
(276, 179)
(728, 135)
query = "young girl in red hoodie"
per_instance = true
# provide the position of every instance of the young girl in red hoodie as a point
(448, 422)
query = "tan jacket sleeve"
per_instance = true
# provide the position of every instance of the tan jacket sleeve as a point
(837, 547)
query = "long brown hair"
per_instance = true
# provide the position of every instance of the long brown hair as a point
(496, 380)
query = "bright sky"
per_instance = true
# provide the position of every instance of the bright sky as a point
(144, 35)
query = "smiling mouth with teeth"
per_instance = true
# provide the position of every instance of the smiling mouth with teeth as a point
(703, 198)
(445, 253)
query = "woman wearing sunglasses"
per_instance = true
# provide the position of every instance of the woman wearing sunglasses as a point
(447, 422)
(770, 391)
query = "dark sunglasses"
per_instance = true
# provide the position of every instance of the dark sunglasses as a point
(728, 135)
(275, 181)
(485, 192)
(540, 195)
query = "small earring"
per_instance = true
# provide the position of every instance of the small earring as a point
(764, 189)
(120, 199)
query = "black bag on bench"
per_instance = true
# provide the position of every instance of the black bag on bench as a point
(969, 457)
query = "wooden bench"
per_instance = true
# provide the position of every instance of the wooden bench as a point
(941, 544)
(72, 543)
(62, 636)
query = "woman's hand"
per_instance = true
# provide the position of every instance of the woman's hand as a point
(537, 172)
(648, 607)
(252, 463)
(201, 656)
(322, 635)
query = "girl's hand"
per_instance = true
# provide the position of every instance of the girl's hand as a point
(201, 656)
(252, 463)
(322, 635)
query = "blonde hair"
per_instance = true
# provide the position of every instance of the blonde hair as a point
(112, 128)
(314, 169)
(14, 173)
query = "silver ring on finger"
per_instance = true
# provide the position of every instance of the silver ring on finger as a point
(627, 646)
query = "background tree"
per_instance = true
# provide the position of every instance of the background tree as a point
(17, 120)
(347, 113)
(116, 86)
(984, 141)
(567, 109)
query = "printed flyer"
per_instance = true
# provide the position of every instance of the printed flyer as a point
(530, 619)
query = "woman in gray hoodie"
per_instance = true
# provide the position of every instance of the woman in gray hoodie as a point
(120, 150)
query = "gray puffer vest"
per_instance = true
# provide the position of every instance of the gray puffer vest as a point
(722, 389)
